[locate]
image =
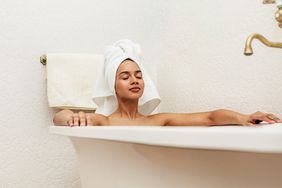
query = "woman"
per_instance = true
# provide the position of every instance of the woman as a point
(125, 90)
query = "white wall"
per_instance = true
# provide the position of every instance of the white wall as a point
(202, 57)
(197, 47)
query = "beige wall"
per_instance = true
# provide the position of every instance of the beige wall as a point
(196, 47)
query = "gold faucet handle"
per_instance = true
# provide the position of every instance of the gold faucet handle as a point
(269, 1)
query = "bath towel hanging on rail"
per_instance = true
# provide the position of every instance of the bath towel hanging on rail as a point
(70, 79)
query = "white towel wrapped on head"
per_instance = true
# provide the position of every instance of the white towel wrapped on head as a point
(104, 91)
(70, 80)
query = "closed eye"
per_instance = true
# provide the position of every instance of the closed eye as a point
(124, 75)
(138, 74)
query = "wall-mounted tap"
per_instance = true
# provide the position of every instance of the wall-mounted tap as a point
(248, 46)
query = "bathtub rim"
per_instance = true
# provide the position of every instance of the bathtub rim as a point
(263, 139)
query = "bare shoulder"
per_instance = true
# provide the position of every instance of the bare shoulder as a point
(99, 119)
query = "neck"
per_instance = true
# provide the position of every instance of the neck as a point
(127, 109)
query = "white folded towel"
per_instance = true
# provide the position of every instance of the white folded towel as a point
(104, 91)
(70, 80)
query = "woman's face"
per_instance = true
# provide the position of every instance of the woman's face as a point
(129, 81)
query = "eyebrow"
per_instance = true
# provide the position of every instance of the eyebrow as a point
(127, 72)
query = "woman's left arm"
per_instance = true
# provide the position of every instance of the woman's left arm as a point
(223, 116)
(216, 117)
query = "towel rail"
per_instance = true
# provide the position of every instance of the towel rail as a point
(43, 59)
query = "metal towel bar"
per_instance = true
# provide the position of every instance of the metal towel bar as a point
(43, 59)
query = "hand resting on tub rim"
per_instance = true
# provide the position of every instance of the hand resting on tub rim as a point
(129, 87)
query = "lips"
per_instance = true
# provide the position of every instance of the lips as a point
(135, 89)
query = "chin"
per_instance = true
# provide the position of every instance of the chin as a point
(134, 96)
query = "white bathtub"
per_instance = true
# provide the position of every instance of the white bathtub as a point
(177, 157)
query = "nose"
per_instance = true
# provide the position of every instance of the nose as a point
(134, 81)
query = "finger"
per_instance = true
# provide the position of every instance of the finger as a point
(274, 118)
(268, 120)
(89, 119)
(82, 118)
(70, 122)
(75, 119)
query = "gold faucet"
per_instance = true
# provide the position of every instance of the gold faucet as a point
(248, 47)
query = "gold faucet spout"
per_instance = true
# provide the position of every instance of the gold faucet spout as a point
(248, 46)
